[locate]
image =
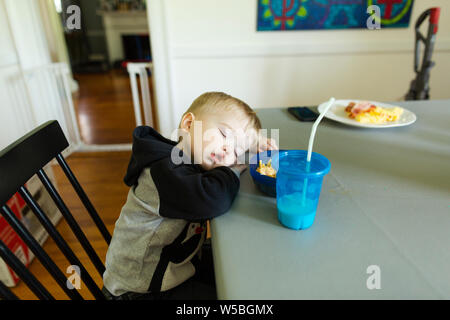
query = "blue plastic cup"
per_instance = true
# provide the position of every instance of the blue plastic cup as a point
(298, 187)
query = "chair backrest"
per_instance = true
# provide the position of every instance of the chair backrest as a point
(18, 163)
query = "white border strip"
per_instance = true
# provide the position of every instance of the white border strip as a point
(212, 51)
(103, 147)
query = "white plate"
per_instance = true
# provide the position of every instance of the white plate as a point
(337, 113)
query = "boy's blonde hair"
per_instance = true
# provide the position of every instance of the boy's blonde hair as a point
(214, 102)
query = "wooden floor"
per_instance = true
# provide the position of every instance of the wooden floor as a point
(104, 107)
(101, 176)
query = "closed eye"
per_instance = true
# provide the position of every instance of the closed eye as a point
(224, 135)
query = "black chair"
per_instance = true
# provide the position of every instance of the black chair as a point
(18, 163)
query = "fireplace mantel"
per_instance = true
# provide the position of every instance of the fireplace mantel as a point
(118, 23)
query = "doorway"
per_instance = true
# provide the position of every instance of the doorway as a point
(112, 34)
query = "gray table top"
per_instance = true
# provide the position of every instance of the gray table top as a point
(385, 203)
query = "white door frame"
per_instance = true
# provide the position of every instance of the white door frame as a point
(161, 57)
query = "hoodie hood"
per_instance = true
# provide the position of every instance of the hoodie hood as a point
(148, 147)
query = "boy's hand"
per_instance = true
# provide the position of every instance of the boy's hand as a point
(267, 144)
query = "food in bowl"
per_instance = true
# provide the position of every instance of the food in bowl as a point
(266, 169)
(366, 112)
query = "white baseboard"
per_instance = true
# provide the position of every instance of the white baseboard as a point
(103, 147)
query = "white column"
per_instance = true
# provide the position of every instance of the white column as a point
(16, 113)
(162, 75)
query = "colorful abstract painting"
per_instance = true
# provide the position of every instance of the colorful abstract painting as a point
(330, 14)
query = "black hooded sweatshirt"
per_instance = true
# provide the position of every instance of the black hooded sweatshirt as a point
(186, 191)
(162, 224)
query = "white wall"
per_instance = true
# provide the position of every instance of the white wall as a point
(28, 32)
(29, 95)
(15, 116)
(204, 45)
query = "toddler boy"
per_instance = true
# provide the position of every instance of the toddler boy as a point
(175, 188)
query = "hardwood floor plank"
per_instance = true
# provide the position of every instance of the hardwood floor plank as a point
(104, 107)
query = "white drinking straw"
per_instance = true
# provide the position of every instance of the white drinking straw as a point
(310, 145)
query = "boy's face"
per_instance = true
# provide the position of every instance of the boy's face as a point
(216, 140)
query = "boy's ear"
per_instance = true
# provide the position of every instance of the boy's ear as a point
(187, 121)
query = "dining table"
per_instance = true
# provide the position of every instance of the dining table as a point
(382, 226)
